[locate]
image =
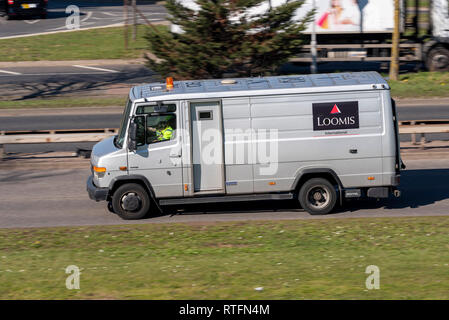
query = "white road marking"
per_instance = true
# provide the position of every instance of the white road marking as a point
(10, 72)
(31, 21)
(59, 28)
(103, 18)
(95, 68)
(89, 14)
(52, 74)
(53, 32)
(110, 14)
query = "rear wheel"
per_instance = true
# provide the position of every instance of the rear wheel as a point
(131, 201)
(317, 196)
(438, 59)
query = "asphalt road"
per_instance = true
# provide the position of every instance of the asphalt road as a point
(58, 198)
(76, 73)
(92, 14)
(42, 74)
(18, 82)
(22, 83)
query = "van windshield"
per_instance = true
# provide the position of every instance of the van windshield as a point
(120, 138)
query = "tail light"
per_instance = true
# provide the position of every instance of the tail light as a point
(10, 1)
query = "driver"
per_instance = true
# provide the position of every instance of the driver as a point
(163, 131)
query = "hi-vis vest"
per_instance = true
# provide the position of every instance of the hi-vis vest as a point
(165, 134)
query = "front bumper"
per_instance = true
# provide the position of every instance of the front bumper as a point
(396, 180)
(96, 193)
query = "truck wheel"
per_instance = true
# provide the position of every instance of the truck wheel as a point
(110, 207)
(438, 59)
(131, 201)
(317, 196)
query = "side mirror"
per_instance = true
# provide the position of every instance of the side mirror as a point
(132, 136)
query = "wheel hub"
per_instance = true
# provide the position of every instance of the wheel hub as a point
(131, 202)
(318, 197)
(440, 61)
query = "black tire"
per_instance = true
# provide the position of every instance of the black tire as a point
(317, 196)
(43, 16)
(132, 208)
(110, 208)
(438, 59)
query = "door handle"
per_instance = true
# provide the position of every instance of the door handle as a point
(353, 151)
(175, 156)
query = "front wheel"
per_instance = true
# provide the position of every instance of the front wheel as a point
(317, 196)
(131, 201)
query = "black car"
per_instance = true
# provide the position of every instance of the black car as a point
(16, 8)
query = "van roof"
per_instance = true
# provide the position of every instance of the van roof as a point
(235, 87)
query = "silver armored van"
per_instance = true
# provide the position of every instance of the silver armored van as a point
(319, 139)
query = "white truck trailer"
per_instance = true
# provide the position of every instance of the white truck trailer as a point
(316, 138)
(361, 30)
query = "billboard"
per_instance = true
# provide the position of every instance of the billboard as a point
(351, 16)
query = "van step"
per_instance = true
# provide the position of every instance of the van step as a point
(236, 198)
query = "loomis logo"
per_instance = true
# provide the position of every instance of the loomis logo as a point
(335, 116)
(335, 109)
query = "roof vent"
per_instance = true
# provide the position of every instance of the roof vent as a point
(193, 84)
(228, 81)
(292, 80)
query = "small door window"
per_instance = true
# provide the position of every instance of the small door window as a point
(205, 115)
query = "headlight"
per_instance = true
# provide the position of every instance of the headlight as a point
(99, 171)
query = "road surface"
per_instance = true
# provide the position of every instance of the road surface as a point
(13, 76)
(92, 14)
(59, 198)
(79, 73)
(75, 79)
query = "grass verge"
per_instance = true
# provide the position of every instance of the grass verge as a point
(103, 43)
(421, 84)
(300, 259)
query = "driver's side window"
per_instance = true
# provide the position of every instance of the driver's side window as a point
(155, 123)
(160, 128)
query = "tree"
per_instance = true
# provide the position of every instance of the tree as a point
(222, 37)
(394, 63)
